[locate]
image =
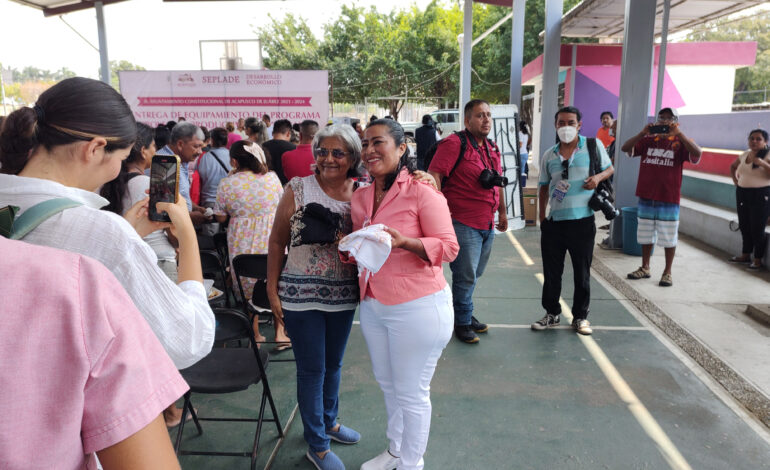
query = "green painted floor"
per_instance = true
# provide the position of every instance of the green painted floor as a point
(516, 400)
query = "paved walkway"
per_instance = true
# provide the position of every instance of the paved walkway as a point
(626, 397)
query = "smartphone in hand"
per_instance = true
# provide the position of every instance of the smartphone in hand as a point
(660, 129)
(164, 184)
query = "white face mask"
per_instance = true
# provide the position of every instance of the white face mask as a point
(567, 133)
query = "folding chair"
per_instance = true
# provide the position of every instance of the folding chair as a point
(255, 266)
(227, 370)
(212, 265)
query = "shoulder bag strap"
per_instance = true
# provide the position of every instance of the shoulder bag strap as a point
(218, 160)
(37, 214)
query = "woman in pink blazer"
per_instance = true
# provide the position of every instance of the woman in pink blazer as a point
(406, 308)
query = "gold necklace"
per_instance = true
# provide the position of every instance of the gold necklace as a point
(379, 197)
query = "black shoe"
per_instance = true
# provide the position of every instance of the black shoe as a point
(477, 326)
(465, 334)
(548, 321)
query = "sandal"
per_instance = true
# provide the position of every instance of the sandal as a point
(666, 281)
(282, 347)
(640, 273)
(739, 259)
(754, 267)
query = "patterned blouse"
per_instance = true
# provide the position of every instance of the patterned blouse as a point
(314, 278)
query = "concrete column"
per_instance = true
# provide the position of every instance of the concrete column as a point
(634, 102)
(103, 57)
(517, 51)
(465, 55)
(551, 60)
(572, 76)
(662, 56)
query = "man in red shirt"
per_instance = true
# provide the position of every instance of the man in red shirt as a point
(473, 205)
(605, 133)
(297, 162)
(663, 149)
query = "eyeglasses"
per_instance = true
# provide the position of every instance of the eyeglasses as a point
(336, 153)
(565, 170)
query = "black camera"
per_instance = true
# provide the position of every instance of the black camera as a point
(491, 178)
(602, 201)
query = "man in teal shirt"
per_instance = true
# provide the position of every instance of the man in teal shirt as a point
(567, 185)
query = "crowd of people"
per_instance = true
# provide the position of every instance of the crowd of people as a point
(125, 299)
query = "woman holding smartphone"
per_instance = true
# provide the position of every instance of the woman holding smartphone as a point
(406, 308)
(71, 143)
(751, 175)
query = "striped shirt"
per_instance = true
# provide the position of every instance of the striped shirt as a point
(575, 203)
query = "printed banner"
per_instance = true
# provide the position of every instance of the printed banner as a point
(213, 98)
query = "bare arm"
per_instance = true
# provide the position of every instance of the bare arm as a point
(692, 148)
(628, 146)
(279, 240)
(502, 215)
(542, 200)
(734, 169)
(149, 447)
(437, 177)
(221, 218)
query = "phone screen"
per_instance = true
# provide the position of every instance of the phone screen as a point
(163, 185)
(660, 129)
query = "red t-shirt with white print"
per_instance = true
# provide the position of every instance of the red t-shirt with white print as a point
(660, 169)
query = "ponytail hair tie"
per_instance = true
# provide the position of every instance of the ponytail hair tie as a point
(39, 113)
(256, 150)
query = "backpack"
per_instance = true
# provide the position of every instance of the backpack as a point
(595, 168)
(16, 228)
(463, 145)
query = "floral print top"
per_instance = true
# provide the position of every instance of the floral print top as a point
(250, 199)
(314, 278)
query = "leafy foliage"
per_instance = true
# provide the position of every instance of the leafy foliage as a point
(117, 66)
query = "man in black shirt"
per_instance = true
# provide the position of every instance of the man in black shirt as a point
(425, 137)
(275, 147)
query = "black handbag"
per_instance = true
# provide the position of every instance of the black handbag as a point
(316, 224)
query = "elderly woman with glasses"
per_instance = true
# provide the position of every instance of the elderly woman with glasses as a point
(314, 292)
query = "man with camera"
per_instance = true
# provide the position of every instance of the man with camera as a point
(663, 149)
(467, 169)
(569, 185)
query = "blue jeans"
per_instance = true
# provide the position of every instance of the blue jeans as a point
(318, 339)
(475, 247)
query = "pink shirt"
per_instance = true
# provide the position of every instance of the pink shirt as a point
(297, 162)
(416, 210)
(80, 369)
(232, 138)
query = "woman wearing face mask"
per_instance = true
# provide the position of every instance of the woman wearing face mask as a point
(751, 174)
(406, 307)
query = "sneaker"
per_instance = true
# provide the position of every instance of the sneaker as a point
(666, 281)
(582, 326)
(477, 326)
(465, 334)
(641, 273)
(344, 435)
(329, 462)
(548, 321)
(384, 461)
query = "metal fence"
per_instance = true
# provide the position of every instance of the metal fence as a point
(750, 96)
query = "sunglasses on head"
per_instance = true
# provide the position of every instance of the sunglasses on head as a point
(336, 153)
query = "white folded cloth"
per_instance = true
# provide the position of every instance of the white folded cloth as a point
(370, 246)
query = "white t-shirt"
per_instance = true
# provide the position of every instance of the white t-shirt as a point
(523, 140)
(157, 240)
(179, 315)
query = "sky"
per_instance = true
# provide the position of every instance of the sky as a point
(150, 33)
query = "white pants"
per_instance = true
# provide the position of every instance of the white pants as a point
(405, 342)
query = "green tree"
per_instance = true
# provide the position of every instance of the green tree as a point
(750, 28)
(117, 66)
(290, 44)
(408, 53)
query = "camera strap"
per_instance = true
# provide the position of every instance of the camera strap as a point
(594, 168)
(482, 154)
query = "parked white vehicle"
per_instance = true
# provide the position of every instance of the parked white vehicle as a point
(447, 121)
